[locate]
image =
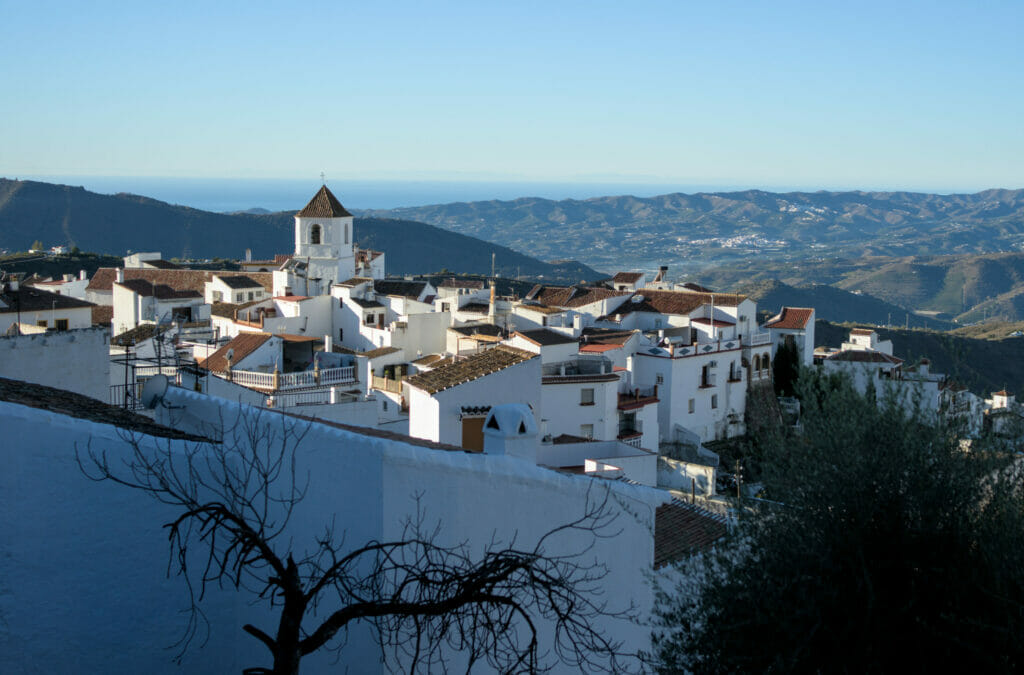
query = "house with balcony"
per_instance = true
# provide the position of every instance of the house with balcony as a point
(289, 372)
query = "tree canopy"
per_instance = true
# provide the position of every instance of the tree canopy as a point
(885, 546)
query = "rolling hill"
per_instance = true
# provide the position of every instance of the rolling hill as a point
(708, 228)
(61, 214)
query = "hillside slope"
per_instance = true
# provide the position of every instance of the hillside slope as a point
(696, 229)
(61, 214)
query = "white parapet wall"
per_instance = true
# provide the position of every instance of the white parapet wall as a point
(75, 360)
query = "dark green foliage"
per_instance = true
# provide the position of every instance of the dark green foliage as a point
(886, 549)
(786, 368)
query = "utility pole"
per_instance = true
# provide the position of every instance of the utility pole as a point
(739, 496)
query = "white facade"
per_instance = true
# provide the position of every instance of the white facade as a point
(118, 609)
(438, 417)
(75, 360)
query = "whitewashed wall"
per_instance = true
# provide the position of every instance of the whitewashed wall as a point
(76, 360)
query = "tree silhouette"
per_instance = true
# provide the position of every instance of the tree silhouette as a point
(423, 600)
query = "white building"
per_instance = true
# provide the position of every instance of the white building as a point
(364, 482)
(794, 325)
(324, 250)
(31, 306)
(448, 404)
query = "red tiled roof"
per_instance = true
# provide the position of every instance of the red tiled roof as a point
(681, 529)
(676, 302)
(160, 291)
(179, 280)
(627, 277)
(791, 318)
(859, 356)
(243, 344)
(599, 348)
(571, 296)
(102, 315)
(323, 205)
(861, 331)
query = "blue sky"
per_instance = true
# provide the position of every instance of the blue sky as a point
(811, 95)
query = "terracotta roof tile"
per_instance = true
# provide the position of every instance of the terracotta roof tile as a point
(147, 289)
(681, 529)
(543, 337)
(571, 296)
(627, 277)
(860, 356)
(791, 318)
(323, 205)
(355, 281)
(469, 369)
(180, 280)
(676, 302)
(380, 351)
(243, 344)
(861, 331)
(102, 315)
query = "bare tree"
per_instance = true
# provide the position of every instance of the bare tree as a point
(423, 600)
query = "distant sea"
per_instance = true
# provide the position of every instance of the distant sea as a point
(225, 194)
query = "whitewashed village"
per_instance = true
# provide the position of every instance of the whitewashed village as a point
(496, 415)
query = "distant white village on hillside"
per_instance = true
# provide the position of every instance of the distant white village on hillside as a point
(626, 382)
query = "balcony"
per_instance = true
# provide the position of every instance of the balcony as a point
(387, 384)
(755, 339)
(638, 399)
(702, 348)
(306, 379)
(630, 437)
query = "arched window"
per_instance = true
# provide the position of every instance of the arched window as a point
(346, 233)
(757, 362)
(314, 234)
(766, 362)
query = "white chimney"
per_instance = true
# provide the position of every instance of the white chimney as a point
(248, 255)
(510, 429)
(82, 275)
(120, 275)
(328, 346)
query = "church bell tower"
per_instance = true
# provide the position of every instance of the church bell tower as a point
(323, 239)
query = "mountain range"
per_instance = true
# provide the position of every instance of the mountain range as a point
(73, 216)
(691, 232)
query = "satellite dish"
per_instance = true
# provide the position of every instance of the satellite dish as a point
(153, 391)
(230, 355)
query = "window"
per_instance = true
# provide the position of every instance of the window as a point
(543, 321)
(714, 401)
(659, 379)
(314, 234)
(42, 324)
(445, 307)
(693, 405)
(341, 335)
(218, 296)
(384, 405)
(369, 319)
(346, 234)
(587, 430)
(62, 324)
(586, 397)
(239, 297)
(251, 296)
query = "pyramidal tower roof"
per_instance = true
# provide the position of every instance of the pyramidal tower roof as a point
(323, 205)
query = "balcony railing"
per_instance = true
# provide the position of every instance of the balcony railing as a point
(631, 437)
(755, 339)
(306, 379)
(702, 348)
(387, 384)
